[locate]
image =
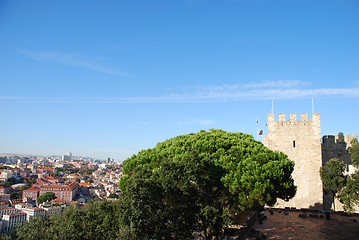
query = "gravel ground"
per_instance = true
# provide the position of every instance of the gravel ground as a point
(290, 226)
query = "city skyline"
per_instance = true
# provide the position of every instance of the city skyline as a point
(108, 80)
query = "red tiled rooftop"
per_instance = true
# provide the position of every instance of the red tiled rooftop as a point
(46, 168)
(84, 184)
(50, 178)
(70, 187)
(55, 187)
(32, 189)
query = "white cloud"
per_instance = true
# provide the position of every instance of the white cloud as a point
(288, 89)
(280, 84)
(74, 60)
(276, 84)
(282, 89)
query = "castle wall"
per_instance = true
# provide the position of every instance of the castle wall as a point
(301, 141)
(332, 148)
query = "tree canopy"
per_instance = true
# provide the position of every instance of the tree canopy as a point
(354, 152)
(349, 195)
(48, 196)
(333, 178)
(341, 137)
(98, 220)
(192, 183)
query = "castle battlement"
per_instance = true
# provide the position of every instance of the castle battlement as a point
(293, 124)
(330, 139)
(293, 118)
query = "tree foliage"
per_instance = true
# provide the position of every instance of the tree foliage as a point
(349, 195)
(341, 137)
(192, 182)
(175, 200)
(354, 152)
(47, 196)
(113, 195)
(33, 230)
(98, 220)
(333, 178)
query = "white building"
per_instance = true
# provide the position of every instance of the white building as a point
(4, 211)
(13, 220)
(5, 175)
(51, 210)
(32, 213)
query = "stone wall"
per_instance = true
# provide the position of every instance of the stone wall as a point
(332, 148)
(301, 141)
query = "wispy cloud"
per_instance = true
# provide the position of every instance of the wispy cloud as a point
(280, 84)
(75, 60)
(283, 89)
(276, 84)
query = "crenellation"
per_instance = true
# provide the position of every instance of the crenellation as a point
(316, 118)
(282, 117)
(316, 124)
(328, 139)
(293, 118)
(304, 117)
(271, 118)
(332, 148)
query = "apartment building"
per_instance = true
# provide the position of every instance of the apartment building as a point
(65, 192)
(13, 220)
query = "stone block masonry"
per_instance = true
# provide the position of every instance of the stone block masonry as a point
(300, 140)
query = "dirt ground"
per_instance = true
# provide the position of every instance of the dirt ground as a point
(290, 226)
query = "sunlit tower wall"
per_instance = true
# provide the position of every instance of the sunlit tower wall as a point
(300, 140)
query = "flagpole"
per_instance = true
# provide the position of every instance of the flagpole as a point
(312, 105)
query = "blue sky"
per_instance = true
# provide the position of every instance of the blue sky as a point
(109, 78)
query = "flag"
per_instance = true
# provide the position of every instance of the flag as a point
(260, 132)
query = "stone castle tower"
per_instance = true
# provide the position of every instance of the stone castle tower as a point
(333, 148)
(301, 141)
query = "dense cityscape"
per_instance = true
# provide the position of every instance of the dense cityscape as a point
(26, 181)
